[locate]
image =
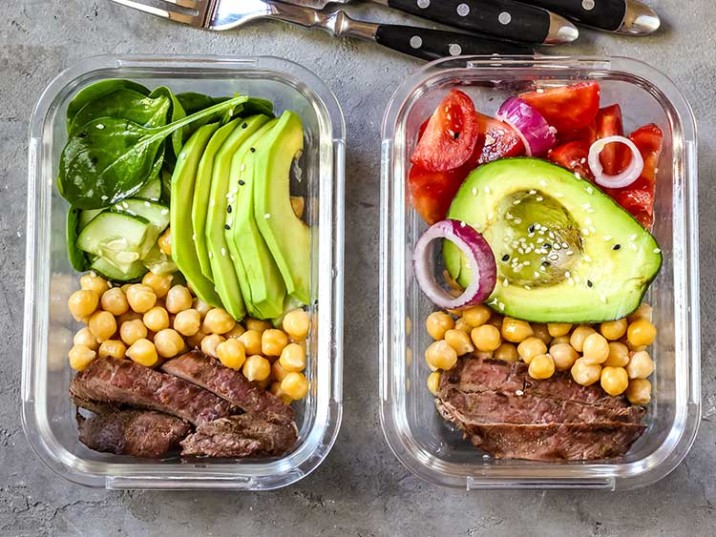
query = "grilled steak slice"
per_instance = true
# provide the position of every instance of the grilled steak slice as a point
(140, 433)
(107, 380)
(204, 371)
(242, 436)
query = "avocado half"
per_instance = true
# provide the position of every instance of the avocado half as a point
(565, 251)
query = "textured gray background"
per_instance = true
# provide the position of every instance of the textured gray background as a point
(360, 490)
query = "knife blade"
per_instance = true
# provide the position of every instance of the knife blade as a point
(630, 17)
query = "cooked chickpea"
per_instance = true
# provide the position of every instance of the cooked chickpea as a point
(496, 320)
(277, 371)
(437, 323)
(194, 341)
(614, 380)
(559, 340)
(640, 365)
(295, 385)
(558, 329)
(595, 349)
(168, 343)
(644, 311)
(563, 355)
(128, 316)
(540, 331)
(132, 331)
(434, 382)
(486, 338)
(159, 283)
(143, 352)
(84, 337)
(235, 332)
(231, 353)
(507, 352)
(531, 347)
(257, 324)
(251, 340)
(639, 392)
(484, 355)
(477, 316)
(80, 357)
(201, 306)
(103, 325)
(641, 332)
(210, 343)
(579, 335)
(585, 373)
(187, 322)
(459, 341)
(93, 282)
(273, 342)
(541, 367)
(618, 355)
(515, 330)
(112, 348)
(165, 242)
(217, 321)
(141, 298)
(276, 390)
(178, 299)
(115, 301)
(257, 368)
(82, 304)
(440, 355)
(462, 325)
(156, 319)
(613, 330)
(293, 358)
(296, 324)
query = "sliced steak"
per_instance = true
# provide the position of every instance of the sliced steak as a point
(124, 382)
(231, 385)
(141, 433)
(242, 436)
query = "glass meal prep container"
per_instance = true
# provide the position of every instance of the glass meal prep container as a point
(429, 446)
(48, 413)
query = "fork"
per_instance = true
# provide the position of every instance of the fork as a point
(419, 42)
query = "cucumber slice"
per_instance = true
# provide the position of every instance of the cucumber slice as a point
(77, 257)
(158, 262)
(156, 213)
(132, 272)
(152, 191)
(120, 238)
(87, 216)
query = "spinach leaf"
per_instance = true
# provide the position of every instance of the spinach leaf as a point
(110, 159)
(194, 102)
(177, 112)
(97, 90)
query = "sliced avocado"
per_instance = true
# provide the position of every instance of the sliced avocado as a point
(565, 251)
(183, 233)
(287, 236)
(222, 267)
(259, 278)
(202, 191)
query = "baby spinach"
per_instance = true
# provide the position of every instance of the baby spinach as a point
(98, 90)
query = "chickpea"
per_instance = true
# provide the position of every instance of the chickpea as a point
(81, 356)
(103, 325)
(618, 355)
(459, 341)
(484, 355)
(128, 316)
(141, 298)
(217, 321)
(115, 301)
(531, 347)
(477, 316)
(579, 335)
(112, 348)
(143, 352)
(507, 352)
(295, 385)
(93, 282)
(434, 382)
(159, 283)
(641, 332)
(440, 355)
(276, 390)
(541, 367)
(82, 304)
(235, 332)
(273, 342)
(595, 349)
(558, 329)
(486, 338)
(251, 340)
(644, 311)
(168, 343)
(639, 392)
(496, 321)
(296, 324)
(256, 324)
(178, 299)
(194, 342)
(156, 319)
(258, 368)
(85, 338)
(540, 331)
(462, 325)
(231, 353)
(438, 323)
(210, 344)
(560, 339)
(563, 355)
(277, 371)
(187, 322)
(165, 242)
(132, 331)
(515, 330)
(613, 330)
(640, 365)
(585, 373)
(614, 380)
(293, 358)
(201, 306)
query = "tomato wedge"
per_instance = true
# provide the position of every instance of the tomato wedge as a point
(431, 193)
(609, 123)
(567, 108)
(573, 156)
(496, 140)
(450, 136)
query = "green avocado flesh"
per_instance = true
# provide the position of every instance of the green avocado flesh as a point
(565, 251)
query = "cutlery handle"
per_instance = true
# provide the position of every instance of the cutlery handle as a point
(623, 16)
(504, 19)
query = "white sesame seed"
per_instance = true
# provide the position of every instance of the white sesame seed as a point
(632, 237)
(501, 306)
(519, 393)
(570, 281)
(488, 190)
(558, 195)
(539, 198)
(505, 282)
(587, 258)
(603, 299)
(570, 252)
(536, 274)
(527, 287)
(518, 221)
(607, 238)
(211, 254)
(267, 216)
(516, 202)
(657, 250)
(542, 182)
(532, 192)
(567, 274)
(147, 204)
(589, 190)
(223, 252)
(565, 245)
(474, 191)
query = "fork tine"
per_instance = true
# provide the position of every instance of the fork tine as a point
(165, 14)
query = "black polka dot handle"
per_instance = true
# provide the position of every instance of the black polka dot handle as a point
(623, 16)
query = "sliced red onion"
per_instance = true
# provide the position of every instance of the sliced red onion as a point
(625, 178)
(536, 134)
(479, 257)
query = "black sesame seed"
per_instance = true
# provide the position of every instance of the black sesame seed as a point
(589, 283)
(547, 246)
(616, 247)
(505, 257)
(531, 229)
(244, 125)
(227, 226)
(229, 209)
(242, 182)
(546, 263)
(253, 150)
(456, 135)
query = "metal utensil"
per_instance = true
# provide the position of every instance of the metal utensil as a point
(419, 42)
(500, 19)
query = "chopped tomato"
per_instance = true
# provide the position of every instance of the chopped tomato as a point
(450, 136)
(609, 123)
(496, 140)
(567, 108)
(423, 126)
(431, 193)
(573, 156)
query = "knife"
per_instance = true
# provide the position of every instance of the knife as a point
(501, 19)
(630, 17)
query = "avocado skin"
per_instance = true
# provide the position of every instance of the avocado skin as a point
(601, 275)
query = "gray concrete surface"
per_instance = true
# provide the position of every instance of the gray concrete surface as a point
(360, 490)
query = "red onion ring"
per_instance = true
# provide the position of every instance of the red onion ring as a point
(536, 134)
(625, 178)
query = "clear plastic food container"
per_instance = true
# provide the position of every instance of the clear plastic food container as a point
(48, 413)
(418, 436)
